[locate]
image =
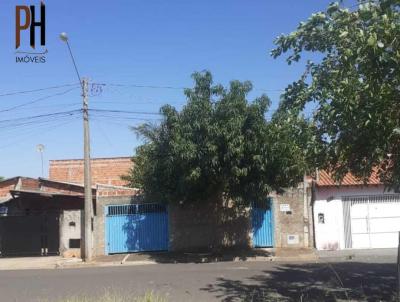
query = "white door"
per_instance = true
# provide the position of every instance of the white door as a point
(375, 221)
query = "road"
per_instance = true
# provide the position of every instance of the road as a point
(225, 281)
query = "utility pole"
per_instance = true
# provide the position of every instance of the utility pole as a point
(87, 221)
(88, 218)
(398, 271)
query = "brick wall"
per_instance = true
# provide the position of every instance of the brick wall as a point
(53, 187)
(104, 170)
(6, 186)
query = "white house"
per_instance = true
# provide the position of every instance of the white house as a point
(354, 215)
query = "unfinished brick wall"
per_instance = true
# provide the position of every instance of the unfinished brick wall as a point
(53, 187)
(24, 183)
(6, 186)
(106, 171)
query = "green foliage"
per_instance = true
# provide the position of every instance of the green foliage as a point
(218, 144)
(355, 86)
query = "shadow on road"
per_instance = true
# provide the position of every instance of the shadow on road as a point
(350, 281)
(201, 256)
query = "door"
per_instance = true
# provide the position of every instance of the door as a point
(136, 228)
(375, 221)
(262, 223)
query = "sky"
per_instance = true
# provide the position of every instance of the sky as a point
(123, 45)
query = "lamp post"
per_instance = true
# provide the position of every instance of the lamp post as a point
(86, 246)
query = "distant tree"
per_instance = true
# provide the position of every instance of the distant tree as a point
(219, 144)
(1, 178)
(355, 86)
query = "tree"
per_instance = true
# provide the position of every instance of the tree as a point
(1, 178)
(218, 145)
(354, 87)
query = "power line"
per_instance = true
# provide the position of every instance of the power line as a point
(36, 90)
(124, 118)
(37, 100)
(170, 87)
(124, 111)
(26, 127)
(29, 134)
(14, 125)
(70, 112)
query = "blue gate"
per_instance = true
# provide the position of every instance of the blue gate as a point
(136, 228)
(263, 224)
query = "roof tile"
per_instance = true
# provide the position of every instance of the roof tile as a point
(326, 179)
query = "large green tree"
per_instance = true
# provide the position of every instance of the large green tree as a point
(219, 144)
(354, 85)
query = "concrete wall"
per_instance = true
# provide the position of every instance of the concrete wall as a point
(70, 228)
(208, 225)
(329, 234)
(293, 228)
(192, 227)
(106, 171)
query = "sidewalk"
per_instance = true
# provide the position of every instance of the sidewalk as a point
(388, 255)
(49, 262)
(279, 255)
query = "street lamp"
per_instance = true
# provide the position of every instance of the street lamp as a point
(86, 247)
(64, 37)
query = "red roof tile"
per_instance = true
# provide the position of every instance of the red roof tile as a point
(326, 179)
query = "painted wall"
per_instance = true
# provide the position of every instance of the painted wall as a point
(329, 233)
(70, 229)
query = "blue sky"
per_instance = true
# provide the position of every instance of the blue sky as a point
(151, 43)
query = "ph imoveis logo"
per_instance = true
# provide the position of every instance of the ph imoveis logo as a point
(26, 18)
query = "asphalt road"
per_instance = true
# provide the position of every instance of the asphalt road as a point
(228, 281)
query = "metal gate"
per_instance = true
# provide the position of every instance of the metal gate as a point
(262, 224)
(31, 235)
(136, 228)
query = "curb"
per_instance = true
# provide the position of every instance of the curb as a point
(77, 263)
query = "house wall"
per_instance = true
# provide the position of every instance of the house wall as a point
(328, 202)
(293, 229)
(70, 228)
(106, 171)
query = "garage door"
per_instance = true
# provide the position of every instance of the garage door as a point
(136, 228)
(374, 221)
(32, 235)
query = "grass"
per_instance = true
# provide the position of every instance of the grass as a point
(115, 297)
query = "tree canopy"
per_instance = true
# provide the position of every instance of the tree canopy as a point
(218, 144)
(354, 87)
